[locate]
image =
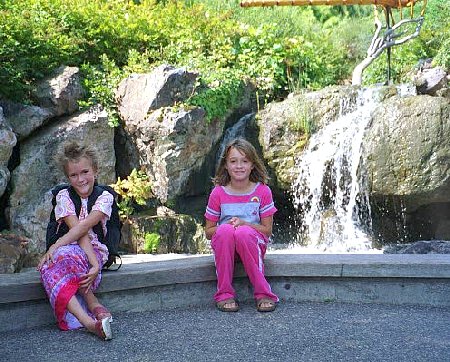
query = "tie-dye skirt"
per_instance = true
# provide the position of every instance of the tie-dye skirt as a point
(61, 280)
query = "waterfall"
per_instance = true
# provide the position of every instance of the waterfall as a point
(329, 192)
(237, 130)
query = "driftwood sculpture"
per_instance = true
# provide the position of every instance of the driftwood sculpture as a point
(391, 37)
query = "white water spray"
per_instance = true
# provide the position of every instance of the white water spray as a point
(329, 192)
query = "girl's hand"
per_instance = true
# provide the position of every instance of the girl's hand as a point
(47, 256)
(88, 279)
(235, 221)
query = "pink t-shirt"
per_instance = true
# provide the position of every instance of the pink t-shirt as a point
(251, 207)
(65, 207)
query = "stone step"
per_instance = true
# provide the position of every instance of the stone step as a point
(191, 281)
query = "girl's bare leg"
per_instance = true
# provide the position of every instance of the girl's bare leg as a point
(103, 330)
(92, 302)
(77, 310)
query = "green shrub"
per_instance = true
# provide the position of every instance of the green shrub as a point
(101, 80)
(281, 49)
(151, 242)
(443, 55)
(135, 189)
(33, 42)
(217, 97)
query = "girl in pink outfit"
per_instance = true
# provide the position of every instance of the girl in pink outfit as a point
(239, 219)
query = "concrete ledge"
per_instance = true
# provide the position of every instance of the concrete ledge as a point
(156, 285)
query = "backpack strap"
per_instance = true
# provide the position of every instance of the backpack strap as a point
(98, 229)
(76, 199)
(57, 229)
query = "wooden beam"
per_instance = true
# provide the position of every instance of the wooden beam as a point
(390, 3)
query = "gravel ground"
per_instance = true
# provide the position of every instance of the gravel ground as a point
(294, 332)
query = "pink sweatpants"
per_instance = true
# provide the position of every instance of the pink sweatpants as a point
(250, 245)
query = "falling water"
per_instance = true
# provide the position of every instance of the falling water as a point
(329, 193)
(237, 130)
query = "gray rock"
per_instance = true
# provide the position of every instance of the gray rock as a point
(407, 149)
(30, 201)
(27, 119)
(140, 94)
(169, 144)
(7, 142)
(60, 92)
(420, 247)
(430, 80)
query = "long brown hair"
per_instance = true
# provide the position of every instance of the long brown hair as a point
(259, 171)
(72, 151)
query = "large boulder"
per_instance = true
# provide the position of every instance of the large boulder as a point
(169, 143)
(26, 119)
(7, 142)
(139, 94)
(60, 92)
(163, 234)
(285, 126)
(55, 96)
(37, 173)
(407, 154)
(172, 144)
(408, 149)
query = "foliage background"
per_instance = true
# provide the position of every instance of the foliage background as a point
(280, 49)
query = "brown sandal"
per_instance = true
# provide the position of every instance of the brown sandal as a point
(222, 305)
(270, 308)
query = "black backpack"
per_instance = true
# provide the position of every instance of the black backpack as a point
(112, 239)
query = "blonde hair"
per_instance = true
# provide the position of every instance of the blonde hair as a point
(259, 171)
(72, 151)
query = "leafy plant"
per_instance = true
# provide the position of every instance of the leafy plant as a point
(304, 121)
(218, 97)
(101, 81)
(280, 49)
(135, 189)
(151, 242)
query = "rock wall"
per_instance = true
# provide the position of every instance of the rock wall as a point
(7, 142)
(405, 155)
(406, 152)
(171, 144)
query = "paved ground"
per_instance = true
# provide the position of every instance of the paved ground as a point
(294, 332)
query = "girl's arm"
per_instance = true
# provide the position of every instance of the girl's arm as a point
(84, 240)
(78, 230)
(85, 243)
(265, 227)
(89, 278)
(210, 229)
